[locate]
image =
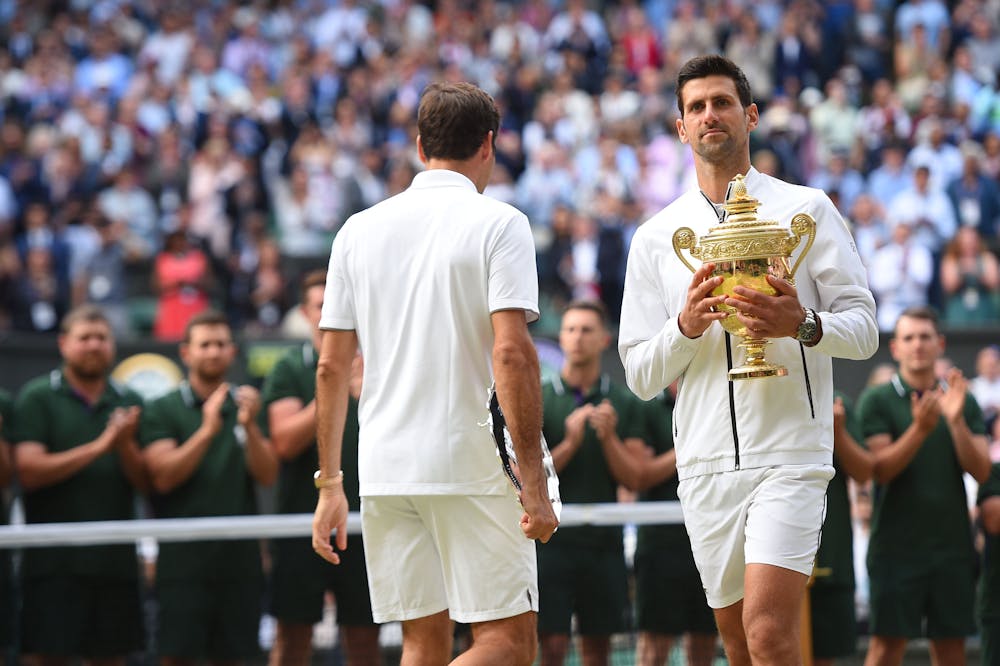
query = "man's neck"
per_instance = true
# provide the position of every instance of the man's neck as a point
(89, 388)
(713, 179)
(582, 377)
(920, 381)
(470, 168)
(202, 387)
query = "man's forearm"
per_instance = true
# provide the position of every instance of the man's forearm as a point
(971, 450)
(519, 390)
(333, 373)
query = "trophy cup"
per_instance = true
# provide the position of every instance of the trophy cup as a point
(745, 250)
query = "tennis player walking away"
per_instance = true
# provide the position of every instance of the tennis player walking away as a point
(431, 283)
(753, 457)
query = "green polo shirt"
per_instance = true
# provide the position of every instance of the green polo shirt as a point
(586, 477)
(668, 542)
(221, 485)
(989, 582)
(835, 559)
(920, 519)
(294, 376)
(49, 411)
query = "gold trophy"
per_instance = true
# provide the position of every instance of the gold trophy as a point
(744, 251)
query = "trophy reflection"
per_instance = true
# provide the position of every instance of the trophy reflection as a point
(745, 251)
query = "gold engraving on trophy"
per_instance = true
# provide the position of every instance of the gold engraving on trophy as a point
(745, 250)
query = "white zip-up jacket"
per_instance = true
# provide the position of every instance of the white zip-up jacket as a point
(720, 425)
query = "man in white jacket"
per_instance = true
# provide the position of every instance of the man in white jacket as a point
(753, 457)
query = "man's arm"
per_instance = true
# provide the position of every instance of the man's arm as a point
(653, 469)
(293, 426)
(262, 462)
(624, 467)
(333, 376)
(519, 391)
(129, 455)
(575, 428)
(38, 468)
(972, 450)
(171, 465)
(892, 457)
(857, 462)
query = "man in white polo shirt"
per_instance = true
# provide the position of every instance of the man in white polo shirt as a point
(431, 284)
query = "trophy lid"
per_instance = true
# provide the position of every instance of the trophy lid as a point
(741, 235)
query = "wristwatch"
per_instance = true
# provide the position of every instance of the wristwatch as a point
(808, 328)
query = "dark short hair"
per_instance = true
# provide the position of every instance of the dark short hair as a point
(703, 66)
(597, 307)
(454, 118)
(208, 317)
(316, 278)
(921, 312)
(88, 312)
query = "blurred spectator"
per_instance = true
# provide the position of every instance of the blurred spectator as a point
(985, 386)
(931, 15)
(835, 121)
(794, 56)
(868, 226)
(754, 50)
(984, 46)
(838, 176)
(640, 42)
(688, 34)
(133, 210)
(970, 280)
(7, 602)
(926, 209)
(104, 72)
(181, 278)
(884, 121)
(214, 170)
(546, 181)
(891, 176)
(943, 159)
(976, 197)
(102, 278)
(267, 289)
(913, 57)
(869, 40)
(170, 46)
(899, 275)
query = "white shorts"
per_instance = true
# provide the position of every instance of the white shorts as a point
(767, 515)
(466, 554)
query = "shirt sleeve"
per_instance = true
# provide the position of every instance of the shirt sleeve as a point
(992, 485)
(513, 276)
(338, 299)
(280, 383)
(154, 425)
(874, 418)
(31, 417)
(652, 347)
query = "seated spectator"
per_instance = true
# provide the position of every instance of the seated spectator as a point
(128, 205)
(40, 298)
(102, 279)
(970, 279)
(181, 276)
(304, 225)
(926, 209)
(899, 275)
(985, 386)
(976, 197)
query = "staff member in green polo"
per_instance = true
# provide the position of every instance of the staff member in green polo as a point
(77, 460)
(205, 449)
(581, 570)
(989, 585)
(299, 578)
(924, 434)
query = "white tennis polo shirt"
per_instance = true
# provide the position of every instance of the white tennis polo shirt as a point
(417, 277)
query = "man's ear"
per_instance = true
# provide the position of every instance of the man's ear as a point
(681, 133)
(420, 151)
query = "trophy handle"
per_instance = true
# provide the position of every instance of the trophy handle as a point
(684, 240)
(802, 224)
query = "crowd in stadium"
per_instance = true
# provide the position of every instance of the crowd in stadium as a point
(159, 159)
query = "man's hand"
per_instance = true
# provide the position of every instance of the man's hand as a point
(699, 310)
(926, 410)
(839, 414)
(539, 520)
(331, 514)
(576, 424)
(248, 404)
(952, 402)
(211, 411)
(604, 420)
(128, 424)
(766, 316)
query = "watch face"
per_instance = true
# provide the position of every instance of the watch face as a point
(807, 329)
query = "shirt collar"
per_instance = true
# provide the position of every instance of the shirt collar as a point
(441, 178)
(58, 382)
(599, 389)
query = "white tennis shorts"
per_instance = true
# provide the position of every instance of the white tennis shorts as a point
(767, 515)
(466, 554)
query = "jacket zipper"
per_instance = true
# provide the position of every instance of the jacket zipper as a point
(732, 399)
(809, 391)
